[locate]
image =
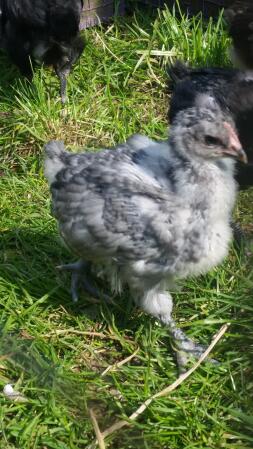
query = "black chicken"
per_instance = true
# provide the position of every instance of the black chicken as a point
(42, 31)
(239, 17)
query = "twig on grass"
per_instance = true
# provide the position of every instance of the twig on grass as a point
(122, 423)
(157, 53)
(105, 47)
(101, 335)
(100, 438)
(119, 364)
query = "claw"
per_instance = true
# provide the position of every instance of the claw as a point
(70, 266)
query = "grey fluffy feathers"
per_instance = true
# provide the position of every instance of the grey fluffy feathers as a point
(148, 211)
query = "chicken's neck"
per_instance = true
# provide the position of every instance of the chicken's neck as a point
(210, 184)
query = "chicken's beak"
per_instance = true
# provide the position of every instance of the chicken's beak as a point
(234, 149)
(242, 156)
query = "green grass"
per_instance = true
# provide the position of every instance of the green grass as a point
(55, 352)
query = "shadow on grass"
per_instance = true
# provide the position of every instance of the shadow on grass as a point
(9, 76)
(27, 269)
(27, 265)
(28, 261)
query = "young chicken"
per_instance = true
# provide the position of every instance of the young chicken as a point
(239, 17)
(42, 31)
(151, 212)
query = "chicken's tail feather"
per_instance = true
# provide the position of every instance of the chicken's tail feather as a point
(54, 160)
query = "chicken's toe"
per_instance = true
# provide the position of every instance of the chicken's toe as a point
(186, 349)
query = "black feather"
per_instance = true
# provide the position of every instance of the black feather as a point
(239, 17)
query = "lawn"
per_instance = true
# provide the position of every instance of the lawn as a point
(65, 359)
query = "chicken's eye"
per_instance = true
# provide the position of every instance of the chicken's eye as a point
(210, 140)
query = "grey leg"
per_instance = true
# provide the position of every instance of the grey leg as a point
(62, 75)
(80, 272)
(238, 234)
(63, 87)
(159, 304)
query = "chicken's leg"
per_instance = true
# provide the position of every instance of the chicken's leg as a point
(159, 304)
(63, 87)
(80, 274)
(63, 75)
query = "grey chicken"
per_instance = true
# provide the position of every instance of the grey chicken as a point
(150, 212)
(44, 32)
(231, 88)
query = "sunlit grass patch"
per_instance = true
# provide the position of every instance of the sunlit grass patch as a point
(63, 357)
